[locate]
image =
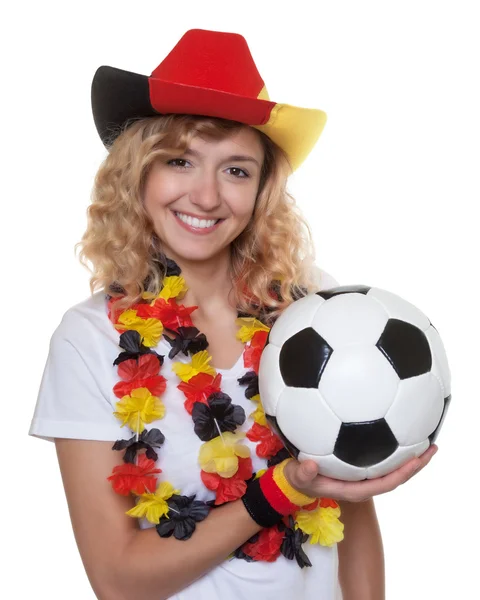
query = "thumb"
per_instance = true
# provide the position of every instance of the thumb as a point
(306, 472)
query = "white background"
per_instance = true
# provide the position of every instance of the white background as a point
(391, 193)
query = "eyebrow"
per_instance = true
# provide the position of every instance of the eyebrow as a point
(233, 157)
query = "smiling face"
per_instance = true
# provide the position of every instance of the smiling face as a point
(199, 203)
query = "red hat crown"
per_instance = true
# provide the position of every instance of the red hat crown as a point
(214, 60)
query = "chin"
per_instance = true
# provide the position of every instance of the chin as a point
(196, 254)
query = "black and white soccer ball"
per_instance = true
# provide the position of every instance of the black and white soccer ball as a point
(356, 379)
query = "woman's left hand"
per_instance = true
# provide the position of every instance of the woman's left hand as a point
(304, 477)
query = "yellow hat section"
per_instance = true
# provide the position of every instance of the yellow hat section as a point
(295, 130)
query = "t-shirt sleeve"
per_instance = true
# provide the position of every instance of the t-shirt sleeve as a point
(70, 403)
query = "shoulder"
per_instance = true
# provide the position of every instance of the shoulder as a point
(86, 325)
(75, 398)
(323, 279)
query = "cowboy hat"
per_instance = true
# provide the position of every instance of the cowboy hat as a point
(208, 73)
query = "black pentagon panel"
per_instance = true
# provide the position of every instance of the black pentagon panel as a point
(406, 347)
(433, 436)
(344, 289)
(303, 358)
(365, 444)
(293, 450)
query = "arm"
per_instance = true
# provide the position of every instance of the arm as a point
(361, 559)
(122, 561)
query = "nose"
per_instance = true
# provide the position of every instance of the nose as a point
(206, 191)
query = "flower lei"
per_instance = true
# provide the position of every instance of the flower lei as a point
(226, 466)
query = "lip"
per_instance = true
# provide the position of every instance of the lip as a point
(194, 216)
(196, 230)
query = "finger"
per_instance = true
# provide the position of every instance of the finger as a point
(396, 478)
(431, 451)
(306, 471)
(418, 463)
(422, 461)
(359, 491)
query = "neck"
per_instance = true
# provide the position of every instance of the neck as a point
(209, 282)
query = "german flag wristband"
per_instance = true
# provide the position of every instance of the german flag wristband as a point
(271, 497)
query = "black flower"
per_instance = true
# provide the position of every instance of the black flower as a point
(239, 553)
(184, 512)
(298, 292)
(116, 288)
(219, 414)
(279, 457)
(292, 544)
(250, 379)
(166, 267)
(185, 339)
(153, 438)
(243, 315)
(131, 342)
(172, 268)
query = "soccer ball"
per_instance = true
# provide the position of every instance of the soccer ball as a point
(356, 379)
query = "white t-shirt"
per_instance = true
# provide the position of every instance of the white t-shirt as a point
(76, 400)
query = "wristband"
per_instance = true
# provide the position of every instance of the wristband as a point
(271, 497)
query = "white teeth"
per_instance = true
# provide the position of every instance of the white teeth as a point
(194, 222)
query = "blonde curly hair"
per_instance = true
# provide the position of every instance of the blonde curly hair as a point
(275, 250)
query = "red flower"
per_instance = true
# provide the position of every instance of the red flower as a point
(139, 478)
(273, 294)
(229, 488)
(328, 502)
(147, 366)
(155, 385)
(251, 357)
(259, 339)
(171, 314)
(322, 503)
(113, 313)
(267, 546)
(199, 388)
(141, 374)
(269, 443)
(311, 506)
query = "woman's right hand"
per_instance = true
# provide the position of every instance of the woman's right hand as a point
(304, 477)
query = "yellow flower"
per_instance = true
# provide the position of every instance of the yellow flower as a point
(154, 506)
(128, 317)
(322, 524)
(260, 473)
(220, 455)
(173, 287)
(198, 364)
(149, 296)
(258, 415)
(139, 408)
(248, 327)
(149, 329)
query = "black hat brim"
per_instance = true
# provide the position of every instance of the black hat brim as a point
(110, 85)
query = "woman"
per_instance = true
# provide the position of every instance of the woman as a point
(191, 227)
